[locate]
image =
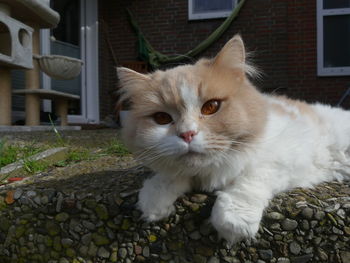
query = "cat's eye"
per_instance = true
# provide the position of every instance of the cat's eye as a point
(210, 107)
(162, 118)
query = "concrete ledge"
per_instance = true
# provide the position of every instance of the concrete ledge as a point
(50, 156)
(4, 128)
(92, 218)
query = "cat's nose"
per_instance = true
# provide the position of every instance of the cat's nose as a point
(188, 136)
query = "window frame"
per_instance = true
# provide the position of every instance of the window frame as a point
(321, 69)
(208, 15)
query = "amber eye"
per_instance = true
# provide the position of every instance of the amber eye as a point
(210, 107)
(162, 118)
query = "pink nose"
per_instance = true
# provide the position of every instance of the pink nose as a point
(188, 136)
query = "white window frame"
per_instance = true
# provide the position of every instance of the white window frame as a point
(90, 113)
(321, 69)
(208, 15)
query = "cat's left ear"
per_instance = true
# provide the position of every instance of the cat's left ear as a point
(232, 55)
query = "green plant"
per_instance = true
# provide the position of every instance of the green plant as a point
(74, 156)
(77, 155)
(32, 166)
(29, 150)
(116, 147)
(59, 138)
(8, 154)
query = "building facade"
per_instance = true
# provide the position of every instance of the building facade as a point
(282, 36)
(300, 46)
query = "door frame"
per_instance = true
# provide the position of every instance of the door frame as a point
(90, 112)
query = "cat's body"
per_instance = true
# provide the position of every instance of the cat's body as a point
(205, 126)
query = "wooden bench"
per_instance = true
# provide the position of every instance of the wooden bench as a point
(60, 98)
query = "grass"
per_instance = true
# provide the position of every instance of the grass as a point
(13, 153)
(10, 153)
(116, 147)
(75, 155)
(7, 154)
(33, 167)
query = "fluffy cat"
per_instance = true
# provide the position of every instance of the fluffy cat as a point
(206, 126)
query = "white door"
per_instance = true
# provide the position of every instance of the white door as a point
(75, 36)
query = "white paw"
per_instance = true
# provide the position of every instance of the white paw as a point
(154, 204)
(235, 223)
(151, 214)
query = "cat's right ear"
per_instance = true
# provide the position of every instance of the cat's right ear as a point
(129, 83)
(129, 78)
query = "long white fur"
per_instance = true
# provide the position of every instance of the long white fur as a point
(295, 150)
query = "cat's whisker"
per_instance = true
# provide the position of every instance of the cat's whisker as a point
(150, 156)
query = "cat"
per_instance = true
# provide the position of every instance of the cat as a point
(206, 126)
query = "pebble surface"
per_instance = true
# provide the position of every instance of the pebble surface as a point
(92, 219)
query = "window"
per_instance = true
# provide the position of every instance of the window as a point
(333, 37)
(207, 9)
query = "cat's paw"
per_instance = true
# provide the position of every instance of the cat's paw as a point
(153, 204)
(151, 214)
(233, 224)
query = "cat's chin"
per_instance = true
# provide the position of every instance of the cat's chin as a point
(194, 159)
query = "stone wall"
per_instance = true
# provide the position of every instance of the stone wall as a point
(92, 218)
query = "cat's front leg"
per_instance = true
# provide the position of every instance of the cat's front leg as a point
(158, 194)
(238, 210)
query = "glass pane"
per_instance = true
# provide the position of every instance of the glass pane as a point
(200, 6)
(336, 39)
(67, 43)
(330, 4)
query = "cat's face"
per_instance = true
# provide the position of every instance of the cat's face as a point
(193, 115)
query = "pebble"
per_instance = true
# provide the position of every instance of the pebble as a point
(322, 254)
(337, 231)
(44, 200)
(345, 256)
(61, 217)
(103, 253)
(289, 224)
(138, 250)
(122, 252)
(67, 242)
(305, 225)
(294, 248)
(320, 215)
(302, 259)
(332, 208)
(18, 193)
(146, 252)
(214, 260)
(283, 260)
(265, 254)
(275, 216)
(88, 225)
(199, 259)
(195, 235)
(59, 202)
(31, 194)
(307, 213)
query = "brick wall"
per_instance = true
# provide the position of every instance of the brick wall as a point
(280, 33)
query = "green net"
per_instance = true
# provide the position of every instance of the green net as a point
(155, 59)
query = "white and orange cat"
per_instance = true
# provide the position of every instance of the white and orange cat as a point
(205, 126)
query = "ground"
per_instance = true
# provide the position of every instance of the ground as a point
(83, 210)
